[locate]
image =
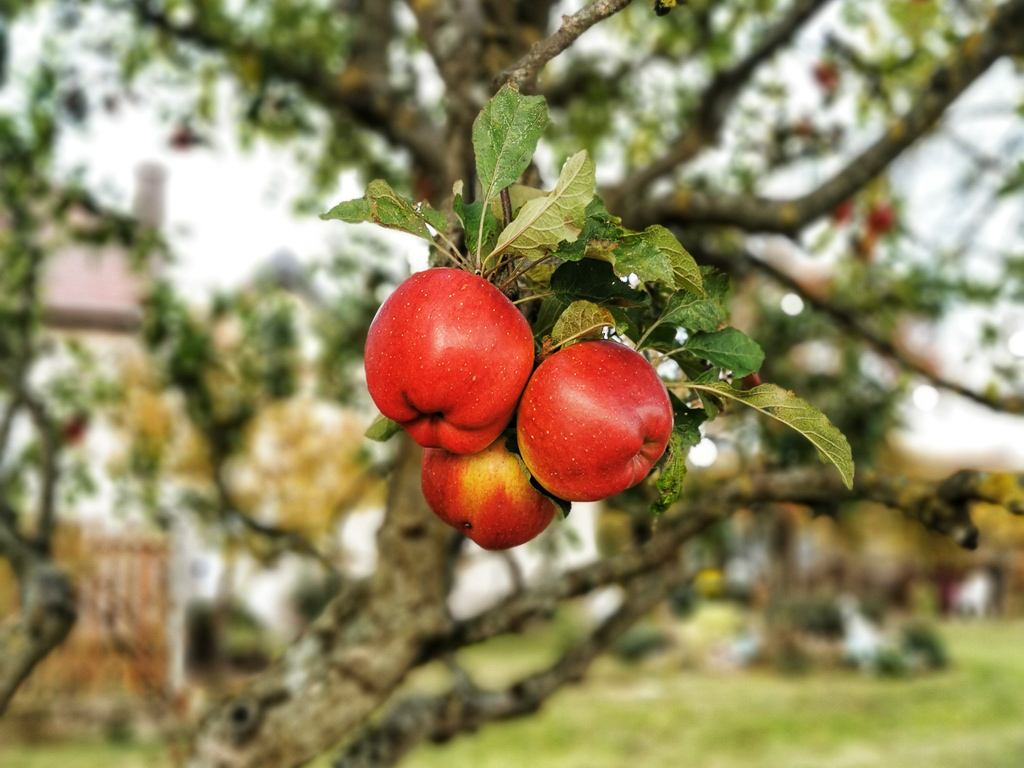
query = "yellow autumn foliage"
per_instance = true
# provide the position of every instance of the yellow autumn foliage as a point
(302, 466)
(155, 426)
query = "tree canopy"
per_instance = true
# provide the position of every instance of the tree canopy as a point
(723, 154)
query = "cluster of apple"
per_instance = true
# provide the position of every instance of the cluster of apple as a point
(451, 359)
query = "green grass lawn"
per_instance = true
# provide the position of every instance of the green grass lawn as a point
(971, 716)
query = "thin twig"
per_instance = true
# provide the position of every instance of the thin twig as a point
(530, 265)
(718, 96)
(50, 471)
(533, 298)
(292, 540)
(506, 207)
(754, 213)
(465, 707)
(453, 250)
(503, 263)
(855, 325)
(650, 330)
(525, 70)
(7, 422)
(414, 130)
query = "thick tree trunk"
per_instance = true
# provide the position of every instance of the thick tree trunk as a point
(47, 615)
(351, 659)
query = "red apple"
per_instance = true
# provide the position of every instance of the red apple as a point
(751, 380)
(447, 357)
(593, 420)
(486, 495)
(881, 218)
(843, 213)
(74, 428)
(827, 76)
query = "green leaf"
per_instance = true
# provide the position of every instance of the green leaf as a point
(786, 407)
(593, 280)
(728, 348)
(684, 310)
(663, 339)
(565, 507)
(1014, 181)
(693, 313)
(687, 420)
(685, 272)
(383, 429)
(518, 195)
(685, 434)
(382, 205)
(469, 215)
(623, 324)
(639, 256)
(693, 367)
(601, 231)
(673, 472)
(551, 308)
(538, 278)
(711, 402)
(717, 286)
(546, 221)
(581, 320)
(505, 136)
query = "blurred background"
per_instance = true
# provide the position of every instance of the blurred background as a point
(184, 480)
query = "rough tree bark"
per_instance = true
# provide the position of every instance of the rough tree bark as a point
(47, 608)
(353, 656)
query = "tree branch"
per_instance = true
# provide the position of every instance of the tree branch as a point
(514, 613)
(927, 503)
(47, 608)
(465, 708)
(856, 326)
(351, 658)
(50, 471)
(524, 71)
(376, 109)
(975, 54)
(289, 540)
(7, 422)
(942, 507)
(452, 32)
(714, 105)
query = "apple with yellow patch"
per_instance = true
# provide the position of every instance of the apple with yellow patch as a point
(487, 495)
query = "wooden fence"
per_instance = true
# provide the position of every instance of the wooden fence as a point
(119, 642)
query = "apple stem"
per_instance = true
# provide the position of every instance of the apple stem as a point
(640, 344)
(672, 352)
(452, 250)
(531, 298)
(529, 265)
(506, 207)
(502, 263)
